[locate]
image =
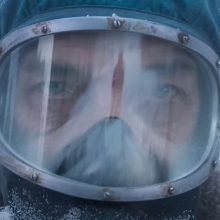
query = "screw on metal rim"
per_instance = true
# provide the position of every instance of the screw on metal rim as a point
(218, 63)
(117, 24)
(44, 29)
(107, 195)
(185, 39)
(215, 163)
(171, 190)
(34, 176)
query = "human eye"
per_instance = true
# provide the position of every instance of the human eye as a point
(65, 82)
(166, 92)
(58, 89)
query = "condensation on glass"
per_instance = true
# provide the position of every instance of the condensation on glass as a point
(107, 108)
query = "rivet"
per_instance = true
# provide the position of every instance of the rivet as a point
(114, 15)
(218, 63)
(185, 39)
(34, 176)
(171, 190)
(44, 29)
(107, 195)
(215, 163)
(117, 24)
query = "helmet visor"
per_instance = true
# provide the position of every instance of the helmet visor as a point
(109, 109)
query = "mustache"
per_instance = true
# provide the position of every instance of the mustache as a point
(108, 154)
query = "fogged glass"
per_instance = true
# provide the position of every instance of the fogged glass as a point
(107, 108)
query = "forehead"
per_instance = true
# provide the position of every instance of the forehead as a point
(87, 44)
(102, 38)
(160, 51)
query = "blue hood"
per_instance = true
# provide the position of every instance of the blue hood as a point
(198, 17)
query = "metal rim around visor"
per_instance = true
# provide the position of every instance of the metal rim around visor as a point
(82, 190)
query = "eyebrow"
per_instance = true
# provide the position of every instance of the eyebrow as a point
(63, 69)
(76, 72)
(172, 67)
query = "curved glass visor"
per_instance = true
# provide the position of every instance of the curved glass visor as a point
(107, 108)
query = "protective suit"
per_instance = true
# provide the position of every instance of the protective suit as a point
(109, 109)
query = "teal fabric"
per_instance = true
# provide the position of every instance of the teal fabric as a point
(201, 15)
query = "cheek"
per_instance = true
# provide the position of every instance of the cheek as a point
(31, 112)
(59, 112)
(178, 124)
(167, 129)
(27, 110)
(184, 119)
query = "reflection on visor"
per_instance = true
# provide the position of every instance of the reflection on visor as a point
(109, 109)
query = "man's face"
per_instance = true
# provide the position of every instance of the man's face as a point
(64, 89)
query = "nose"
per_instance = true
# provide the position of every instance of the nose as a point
(117, 87)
